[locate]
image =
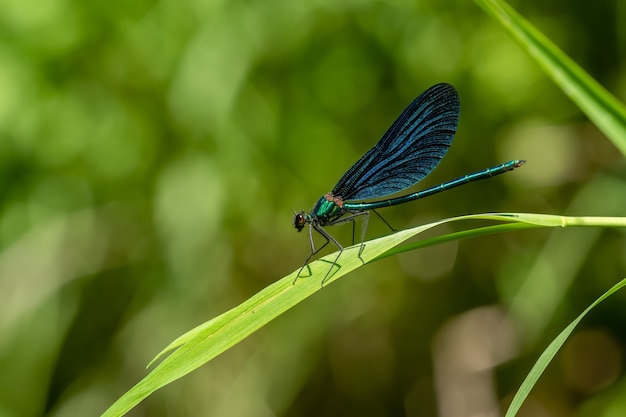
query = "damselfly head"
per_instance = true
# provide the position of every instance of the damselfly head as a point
(299, 221)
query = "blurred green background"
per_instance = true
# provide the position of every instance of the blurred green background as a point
(152, 155)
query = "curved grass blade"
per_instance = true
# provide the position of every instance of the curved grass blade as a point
(524, 221)
(208, 340)
(607, 113)
(205, 342)
(464, 234)
(548, 354)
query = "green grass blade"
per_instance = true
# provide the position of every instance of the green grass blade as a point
(464, 234)
(208, 340)
(547, 356)
(203, 343)
(607, 113)
(523, 221)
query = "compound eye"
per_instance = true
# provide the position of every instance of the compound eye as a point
(299, 221)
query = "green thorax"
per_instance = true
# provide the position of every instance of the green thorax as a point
(327, 208)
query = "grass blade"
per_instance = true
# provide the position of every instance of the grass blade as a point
(205, 342)
(547, 356)
(607, 113)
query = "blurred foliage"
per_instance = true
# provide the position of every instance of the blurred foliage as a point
(151, 157)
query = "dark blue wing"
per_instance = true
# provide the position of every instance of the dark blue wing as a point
(408, 151)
